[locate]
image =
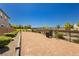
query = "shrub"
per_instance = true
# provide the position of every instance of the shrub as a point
(11, 34)
(4, 40)
(59, 35)
(76, 41)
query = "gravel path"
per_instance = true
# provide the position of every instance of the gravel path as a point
(36, 44)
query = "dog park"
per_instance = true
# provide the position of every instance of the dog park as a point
(25, 33)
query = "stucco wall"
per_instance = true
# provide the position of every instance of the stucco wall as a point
(4, 21)
(5, 30)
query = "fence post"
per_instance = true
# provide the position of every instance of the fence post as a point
(52, 34)
(70, 36)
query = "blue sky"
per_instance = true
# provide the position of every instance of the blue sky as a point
(42, 14)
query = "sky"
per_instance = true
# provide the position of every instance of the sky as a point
(41, 14)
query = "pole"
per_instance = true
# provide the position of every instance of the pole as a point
(20, 43)
(70, 36)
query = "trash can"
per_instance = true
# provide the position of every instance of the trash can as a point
(47, 34)
(50, 33)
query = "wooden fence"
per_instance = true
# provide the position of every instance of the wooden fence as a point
(53, 31)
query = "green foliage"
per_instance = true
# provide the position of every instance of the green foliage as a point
(4, 40)
(11, 34)
(21, 27)
(58, 26)
(59, 35)
(76, 41)
(78, 24)
(68, 26)
(18, 30)
(27, 27)
(14, 26)
(46, 27)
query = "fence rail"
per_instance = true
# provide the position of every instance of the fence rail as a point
(53, 31)
(45, 30)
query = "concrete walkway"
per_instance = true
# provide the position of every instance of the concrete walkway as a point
(36, 44)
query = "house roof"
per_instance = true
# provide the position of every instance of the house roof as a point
(4, 13)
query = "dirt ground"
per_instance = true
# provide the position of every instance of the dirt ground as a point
(35, 44)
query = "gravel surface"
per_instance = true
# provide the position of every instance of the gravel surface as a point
(35, 44)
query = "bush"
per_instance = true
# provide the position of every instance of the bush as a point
(11, 34)
(59, 35)
(76, 41)
(4, 40)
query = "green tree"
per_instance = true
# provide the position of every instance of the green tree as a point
(45, 27)
(68, 26)
(78, 24)
(20, 27)
(14, 26)
(58, 26)
(29, 26)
